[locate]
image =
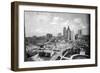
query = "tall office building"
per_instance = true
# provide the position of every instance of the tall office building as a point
(80, 32)
(64, 32)
(67, 33)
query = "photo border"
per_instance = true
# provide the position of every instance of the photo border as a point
(15, 34)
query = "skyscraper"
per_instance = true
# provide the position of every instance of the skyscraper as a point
(67, 33)
(64, 33)
(80, 32)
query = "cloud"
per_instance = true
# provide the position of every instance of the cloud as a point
(56, 18)
(77, 20)
(54, 22)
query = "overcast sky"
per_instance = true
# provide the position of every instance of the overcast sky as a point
(41, 23)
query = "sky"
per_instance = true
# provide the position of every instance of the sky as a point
(40, 23)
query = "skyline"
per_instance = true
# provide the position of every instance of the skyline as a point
(54, 22)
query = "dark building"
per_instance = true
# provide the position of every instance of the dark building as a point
(78, 35)
(67, 33)
(64, 33)
(80, 32)
(49, 36)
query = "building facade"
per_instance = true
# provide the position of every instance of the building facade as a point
(67, 33)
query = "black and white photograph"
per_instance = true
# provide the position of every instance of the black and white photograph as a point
(50, 36)
(53, 36)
